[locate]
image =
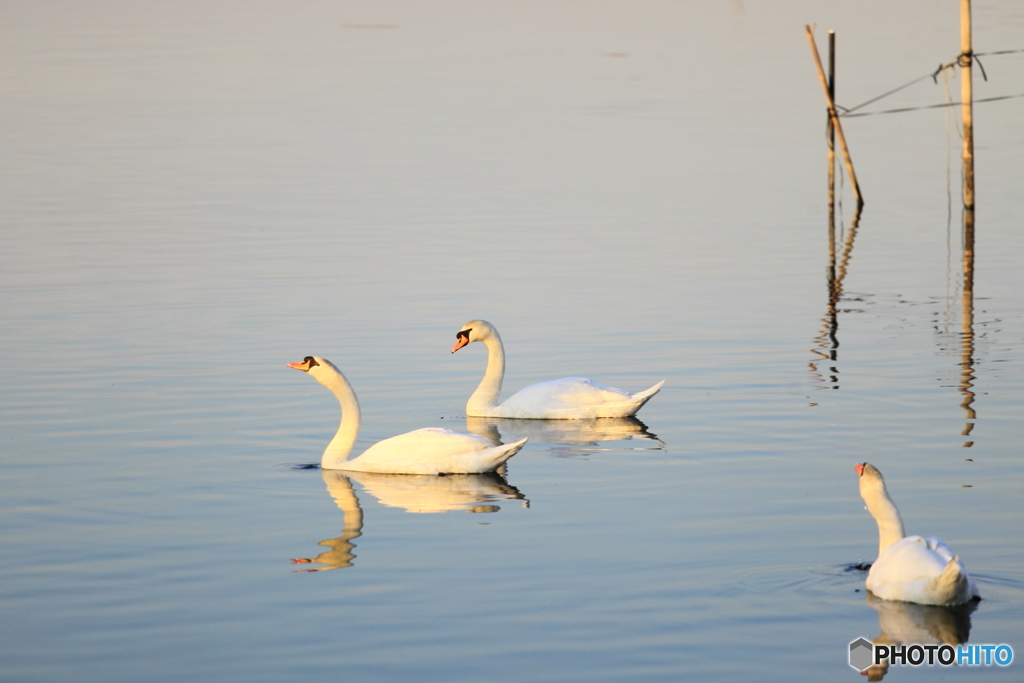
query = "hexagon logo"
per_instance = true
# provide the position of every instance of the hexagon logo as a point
(862, 652)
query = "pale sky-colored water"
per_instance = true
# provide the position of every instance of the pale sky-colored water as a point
(195, 194)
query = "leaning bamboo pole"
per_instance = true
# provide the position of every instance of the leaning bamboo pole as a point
(835, 118)
(967, 97)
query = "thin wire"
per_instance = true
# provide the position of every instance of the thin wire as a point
(934, 76)
(997, 52)
(982, 67)
(950, 103)
(930, 106)
(847, 112)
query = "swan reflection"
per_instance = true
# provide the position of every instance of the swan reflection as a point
(432, 493)
(580, 433)
(907, 623)
(412, 492)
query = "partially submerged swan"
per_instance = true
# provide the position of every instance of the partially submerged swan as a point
(910, 568)
(569, 398)
(424, 451)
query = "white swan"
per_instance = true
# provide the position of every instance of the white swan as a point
(424, 451)
(569, 398)
(910, 568)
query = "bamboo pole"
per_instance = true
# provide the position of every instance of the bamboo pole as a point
(831, 129)
(835, 118)
(967, 97)
(967, 326)
(831, 172)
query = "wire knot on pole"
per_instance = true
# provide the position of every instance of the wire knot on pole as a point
(964, 61)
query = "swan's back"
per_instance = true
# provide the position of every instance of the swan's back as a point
(921, 570)
(571, 398)
(433, 451)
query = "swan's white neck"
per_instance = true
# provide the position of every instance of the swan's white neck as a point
(887, 516)
(340, 446)
(486, 395)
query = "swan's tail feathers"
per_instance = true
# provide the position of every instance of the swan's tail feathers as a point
(645, 396)
(953, 584)
(628, 408)
(502, 453)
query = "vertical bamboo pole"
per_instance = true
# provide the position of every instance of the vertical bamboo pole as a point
(831, 129)
(835, 118)
(832, 190)
(967, 97)
(967, 326)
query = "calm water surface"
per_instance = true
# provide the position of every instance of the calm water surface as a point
(195, 194)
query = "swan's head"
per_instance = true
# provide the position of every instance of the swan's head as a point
(474, 330)
(318, 368)
(871, 481)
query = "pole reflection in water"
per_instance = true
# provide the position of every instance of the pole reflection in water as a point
(412, 492)
(967, 328)
(907, 623)
(827, 341)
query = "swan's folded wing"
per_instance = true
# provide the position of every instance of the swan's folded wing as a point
(570, 391)
(569, 397)
(903, 569)
(433, 451)
(939, 547)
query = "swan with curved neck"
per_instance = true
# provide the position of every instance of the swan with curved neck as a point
(910, 568)
(424, 451)
(569, 398)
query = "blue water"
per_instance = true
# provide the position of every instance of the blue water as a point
(194, 195)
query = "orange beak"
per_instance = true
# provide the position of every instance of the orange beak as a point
(462, 341)
(860, 469)
(301, 365)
